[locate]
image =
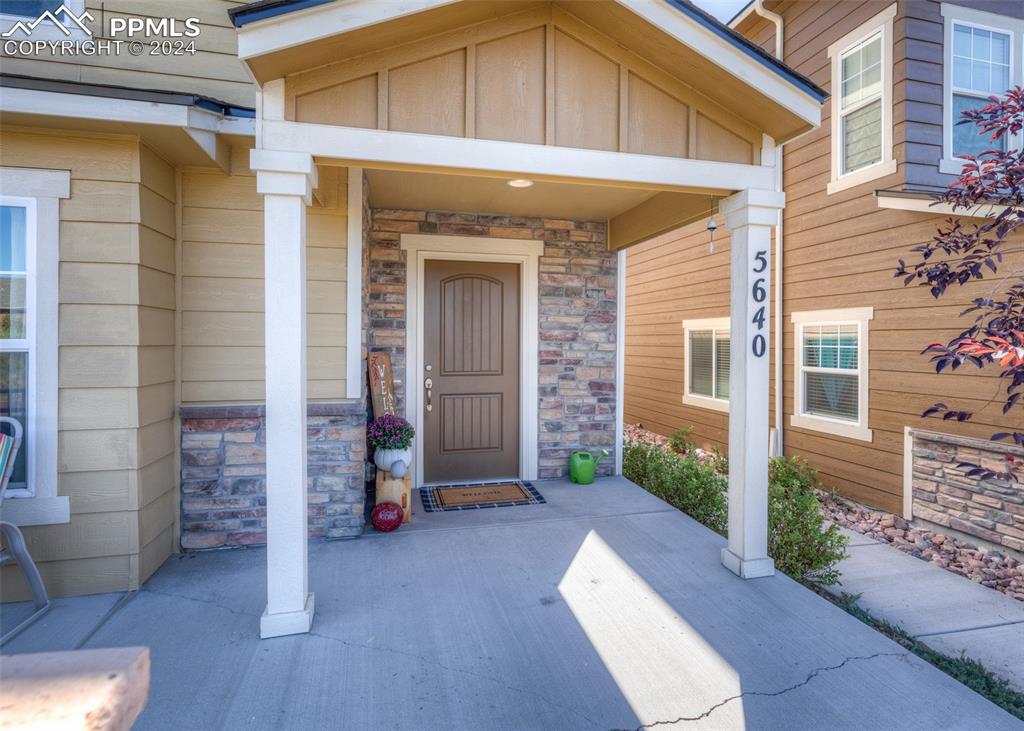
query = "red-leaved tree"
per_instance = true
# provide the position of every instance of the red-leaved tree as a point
(991, 184)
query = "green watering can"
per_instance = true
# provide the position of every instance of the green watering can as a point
(582, 466)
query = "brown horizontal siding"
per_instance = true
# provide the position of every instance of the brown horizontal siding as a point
(840, 251)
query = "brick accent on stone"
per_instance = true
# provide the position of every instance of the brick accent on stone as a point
(577, 313)
(223, 473)
(990, 510)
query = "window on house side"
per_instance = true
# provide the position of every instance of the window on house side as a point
(831, 371)
(29, 8)
(15, 342)
(981, 68)
(707, 363)
(862, 103)
(982, 58)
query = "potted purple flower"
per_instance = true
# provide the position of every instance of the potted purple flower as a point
(390, 436)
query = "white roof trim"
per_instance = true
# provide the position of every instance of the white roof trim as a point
(322, 21)
(927, 205)
(201, 125)
(728, 57)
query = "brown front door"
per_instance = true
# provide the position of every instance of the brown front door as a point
(471, 363)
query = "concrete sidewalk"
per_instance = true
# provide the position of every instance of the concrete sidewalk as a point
(946, 611)
(602, 609)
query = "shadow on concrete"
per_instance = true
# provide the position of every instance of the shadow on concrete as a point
(603, 609)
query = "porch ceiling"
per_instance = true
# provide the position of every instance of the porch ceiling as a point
(633, 213)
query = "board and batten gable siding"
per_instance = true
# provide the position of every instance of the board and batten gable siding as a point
(213, 71)
(222, 290)
(539, 76)
(919, 66)
(840, 252)
(116, 439)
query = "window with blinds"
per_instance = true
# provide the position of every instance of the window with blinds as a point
(861, 104)
(831, 378)
(707, 361)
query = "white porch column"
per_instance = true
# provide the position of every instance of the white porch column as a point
(286, 180)
(749, 215)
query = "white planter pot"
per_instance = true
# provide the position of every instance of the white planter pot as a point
(384, 458)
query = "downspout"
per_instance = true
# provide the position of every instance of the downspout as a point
(777, 447)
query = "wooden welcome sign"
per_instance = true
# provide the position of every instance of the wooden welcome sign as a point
(382, 384)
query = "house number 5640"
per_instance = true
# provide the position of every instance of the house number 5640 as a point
(758, 345)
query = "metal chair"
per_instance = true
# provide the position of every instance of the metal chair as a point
(16, 549)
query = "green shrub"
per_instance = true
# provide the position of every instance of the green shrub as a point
(682, 482)
(797, 539)
(682, 441)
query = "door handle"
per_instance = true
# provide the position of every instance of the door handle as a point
(428, 384)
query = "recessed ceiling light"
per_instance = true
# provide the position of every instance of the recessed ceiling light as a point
(520, 183)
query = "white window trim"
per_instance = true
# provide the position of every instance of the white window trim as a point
(46, 31)
(883, 22)
(40, 192)
(694, 399)
(859, 316)
(1014, 27)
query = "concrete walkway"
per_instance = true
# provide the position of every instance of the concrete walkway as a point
(603, 609)
(946, 611)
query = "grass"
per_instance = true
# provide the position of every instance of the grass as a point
(969, 672)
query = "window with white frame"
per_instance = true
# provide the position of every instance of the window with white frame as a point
(16, 343)
(982, 58)
(29, 259)
(707, 363)
(21, 12)
(831, 371)
(862, 103)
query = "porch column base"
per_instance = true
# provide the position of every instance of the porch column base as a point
(287, 623)
(751, 568)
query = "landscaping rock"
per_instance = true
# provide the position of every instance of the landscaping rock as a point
(978, 563)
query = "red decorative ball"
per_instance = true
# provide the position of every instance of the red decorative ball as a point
(386, 517)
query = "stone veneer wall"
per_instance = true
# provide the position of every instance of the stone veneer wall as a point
(223, 473)
(577, 312)
(991, 510)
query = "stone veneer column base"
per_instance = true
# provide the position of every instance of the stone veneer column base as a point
(223, 473)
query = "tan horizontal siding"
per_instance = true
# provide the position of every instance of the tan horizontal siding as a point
(214, 70)
(222, 289)
(116, 438)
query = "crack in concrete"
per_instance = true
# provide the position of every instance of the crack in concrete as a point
(380, 648)
(767, 694)
(211, 602)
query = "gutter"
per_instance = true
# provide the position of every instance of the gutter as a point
(106, 91)
(251, 12)
(751, 49)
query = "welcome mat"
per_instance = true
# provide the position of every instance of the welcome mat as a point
(440, 498)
